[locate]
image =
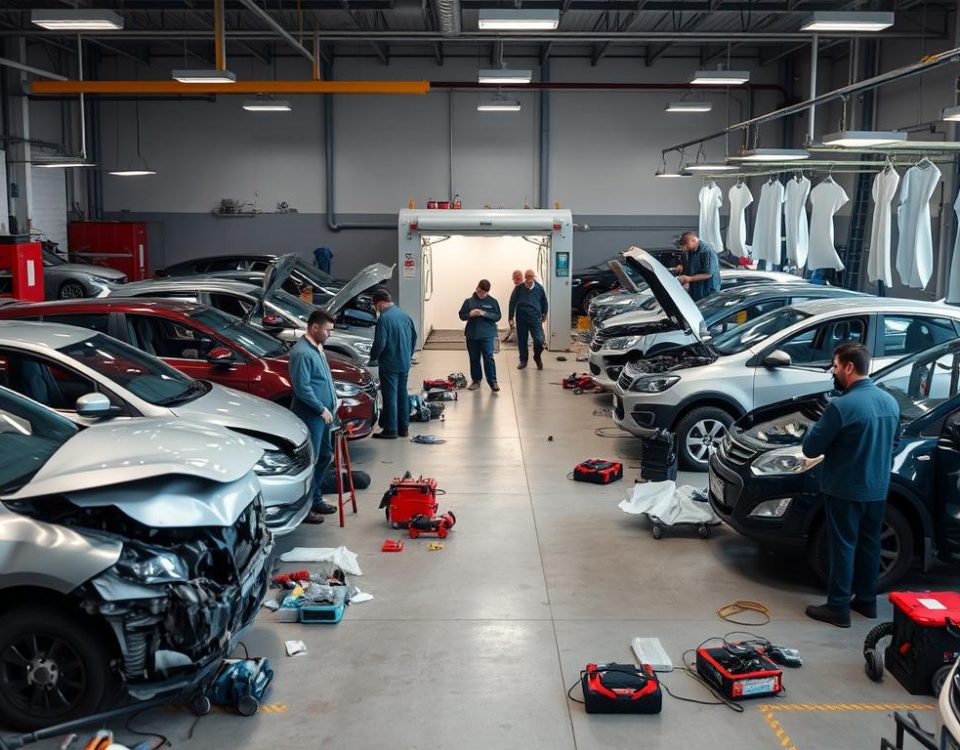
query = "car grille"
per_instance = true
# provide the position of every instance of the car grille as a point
(301, 457)
(736, 453)
(247, 532)
(625, 380)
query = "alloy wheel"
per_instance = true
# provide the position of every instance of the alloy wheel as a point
(42, 674)
(704, 437)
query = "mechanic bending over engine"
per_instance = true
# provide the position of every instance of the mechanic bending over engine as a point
(700, 270)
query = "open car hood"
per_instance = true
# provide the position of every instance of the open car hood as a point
(375, 273)
(276, 273)
(673, 298)
(130, 451)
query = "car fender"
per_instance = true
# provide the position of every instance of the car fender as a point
(711, 398)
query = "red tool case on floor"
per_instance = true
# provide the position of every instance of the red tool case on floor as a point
(409, 497)
(926, 637)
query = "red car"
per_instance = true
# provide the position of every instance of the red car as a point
(209, 345)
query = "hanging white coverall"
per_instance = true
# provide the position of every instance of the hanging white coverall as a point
(769, 223)
(710, 201)
(915, 245)
(796, 223)
(825, 199)
(884, 188)
(953, 287)
(738, 198)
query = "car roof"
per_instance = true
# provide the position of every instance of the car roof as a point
(777, 289)
(188, 283)
(38, 335)
(875, 304)
(736, 273)
(227, 256)
(127, 304)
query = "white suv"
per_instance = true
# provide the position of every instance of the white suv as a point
(697, 391)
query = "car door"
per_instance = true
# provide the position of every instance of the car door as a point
(187, 348)
(811, 353)
(946, 513)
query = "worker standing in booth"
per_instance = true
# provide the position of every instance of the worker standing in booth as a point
(393, 344)
(481, 313)
(528, 311)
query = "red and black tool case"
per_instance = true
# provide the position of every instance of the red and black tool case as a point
(620, 689)
(598, 471)
(926, 637)
(409, 497)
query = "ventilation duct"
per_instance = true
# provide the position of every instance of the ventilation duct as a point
(448, 13)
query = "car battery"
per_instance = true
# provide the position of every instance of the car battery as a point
(409, 497)
(658, 457)
(926, 638)
(739, 671)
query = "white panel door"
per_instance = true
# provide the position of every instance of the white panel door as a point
(48, 214)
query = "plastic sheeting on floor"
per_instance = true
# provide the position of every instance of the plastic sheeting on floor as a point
(669, 504)
(343, 557)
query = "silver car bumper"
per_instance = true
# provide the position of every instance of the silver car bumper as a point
(287, 499)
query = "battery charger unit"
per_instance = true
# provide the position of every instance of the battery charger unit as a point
(739, 671)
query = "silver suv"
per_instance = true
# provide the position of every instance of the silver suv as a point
(134, 555)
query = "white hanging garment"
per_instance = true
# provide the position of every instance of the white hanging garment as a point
(738, 198)
(711, 198)
(953, 286)
(825, 200)
(884, 188)
(795, 222)
(915, 244)
(769, 223)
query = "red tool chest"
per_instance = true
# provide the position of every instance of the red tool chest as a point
(117, 244)
(21, 268)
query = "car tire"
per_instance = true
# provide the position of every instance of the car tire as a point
(44, 646)
(587, 298)
(693, 431)
(71, 290)
(896, 556)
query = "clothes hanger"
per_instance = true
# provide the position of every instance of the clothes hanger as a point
(924, 162)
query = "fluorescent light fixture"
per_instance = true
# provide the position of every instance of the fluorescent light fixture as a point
(204, 76)
(267, 105)
(518, 20)
(499, 105)
(848, 21)
(63, 164)
(77, 19)
(951, 114)
(775, 154)
(689, 106)
(863, 138)
(707, 167)
(671, 174)
(504, 75)
(132, 172)
(720, 77)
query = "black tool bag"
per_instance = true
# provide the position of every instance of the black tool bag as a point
(598, 471)
(658, 461)
(620, 689)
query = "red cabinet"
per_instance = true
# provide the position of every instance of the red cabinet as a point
(117, 244)
(21, 269)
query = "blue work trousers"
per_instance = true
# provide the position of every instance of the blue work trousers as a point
(531, 329)
(481, 360)
(321, 437)
(395, 415)
(853, 545)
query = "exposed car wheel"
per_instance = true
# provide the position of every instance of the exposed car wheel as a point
(587, 298)
(52, 668)
(896, 549)
(699, 433)
(71, 290)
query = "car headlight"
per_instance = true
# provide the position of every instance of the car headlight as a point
(102, 280)
(151, 565)
(771, 508)
(273, 462)
(783, 461)
(623, 342)
(363, 347)
(655, 384)
(346, 390)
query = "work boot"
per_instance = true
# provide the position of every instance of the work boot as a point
(313, 517)
(826, 613)
(324, 508)
(474, 385)
(495, 387)
(867, 610)
(403, 433)
(538, 361)
(522, 366)
(384, 435)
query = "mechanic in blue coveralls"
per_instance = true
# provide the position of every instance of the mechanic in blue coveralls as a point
(528, 311)
(481, 312)
(393, 345)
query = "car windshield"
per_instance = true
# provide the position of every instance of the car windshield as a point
(292, 308)
(52, 259)
(716, 305)
(920, 384)
(314, 274)
(258, 343)
(143, 375)
(742, 338)
(29, 436)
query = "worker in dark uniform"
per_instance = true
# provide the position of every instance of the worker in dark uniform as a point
(701, 268)
(393, 344)
(481, 313)
(856, 437)
(528, 311)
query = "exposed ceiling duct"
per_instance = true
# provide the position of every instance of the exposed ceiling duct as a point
(448, 15)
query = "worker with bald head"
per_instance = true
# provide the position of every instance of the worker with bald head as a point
(517, 277)
(528, 311)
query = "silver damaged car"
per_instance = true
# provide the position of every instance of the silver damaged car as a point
(134, 555)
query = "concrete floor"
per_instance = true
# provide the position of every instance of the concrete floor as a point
(474, 646)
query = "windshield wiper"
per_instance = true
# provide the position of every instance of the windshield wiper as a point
(195, 389)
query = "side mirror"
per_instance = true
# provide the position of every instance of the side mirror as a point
(272, 322)
(777, 358)
(94, 405)
(220, 355)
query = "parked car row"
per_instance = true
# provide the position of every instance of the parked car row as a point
(717, 374)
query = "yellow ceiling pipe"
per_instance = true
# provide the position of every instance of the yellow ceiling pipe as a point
(240, 87)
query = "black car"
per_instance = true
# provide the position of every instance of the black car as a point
(598, 279)
(759, 485)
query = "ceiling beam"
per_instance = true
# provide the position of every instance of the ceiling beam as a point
(654, 53)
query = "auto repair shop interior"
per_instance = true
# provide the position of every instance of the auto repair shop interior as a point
(665, 530)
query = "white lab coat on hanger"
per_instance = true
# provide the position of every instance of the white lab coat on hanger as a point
(738, 198)
(953, 287)
(915, 244)
(884, 188)
(710, 201)
(795, 221)
(825, 200)
(769, 223)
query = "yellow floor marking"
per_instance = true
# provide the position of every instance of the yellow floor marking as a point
(768, 707)
(778, 730)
